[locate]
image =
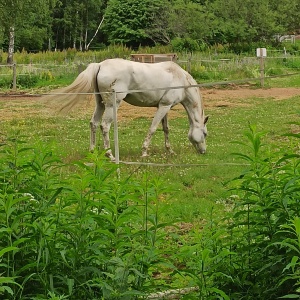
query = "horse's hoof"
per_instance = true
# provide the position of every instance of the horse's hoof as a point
(110, 156)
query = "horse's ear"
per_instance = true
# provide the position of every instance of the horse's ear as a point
(206, 119)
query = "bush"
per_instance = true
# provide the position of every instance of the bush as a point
(83, 236)
(27, 81)
(185, 45)
(266, 201)
(254, 252)
(5, 82)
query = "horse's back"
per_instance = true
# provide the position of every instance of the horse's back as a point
(140, 75)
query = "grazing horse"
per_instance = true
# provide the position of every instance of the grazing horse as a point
(139, 84)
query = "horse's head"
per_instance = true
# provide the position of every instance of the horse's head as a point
(197, 136)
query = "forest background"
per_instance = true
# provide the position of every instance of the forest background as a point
(58, 241)
(241, 25)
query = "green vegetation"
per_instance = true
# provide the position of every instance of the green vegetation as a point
(225, 223)
(48, 70)
(239, 25)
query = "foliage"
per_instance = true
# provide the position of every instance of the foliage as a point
(45, 24)
(266, 200)
(186, 44)
(30, 19)
(88, 235)
(253, 253)
(127, 22)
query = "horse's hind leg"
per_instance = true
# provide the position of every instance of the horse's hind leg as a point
(95, 120)
(107, 119)
(165, 127)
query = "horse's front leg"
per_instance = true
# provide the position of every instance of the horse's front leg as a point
(159, 115)
(165, 127)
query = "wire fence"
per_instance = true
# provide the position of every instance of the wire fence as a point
(206, 69)
(152, 164)
(115, 118)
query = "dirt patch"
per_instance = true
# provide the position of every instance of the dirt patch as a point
(21, 107)
(233, 97)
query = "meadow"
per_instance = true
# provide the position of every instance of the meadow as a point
(74, 226)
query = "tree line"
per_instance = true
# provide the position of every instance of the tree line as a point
(36, 25)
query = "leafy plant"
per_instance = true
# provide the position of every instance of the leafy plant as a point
(266, 199)
(89, 234)
(291, 272)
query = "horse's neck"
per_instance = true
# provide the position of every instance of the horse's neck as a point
(193, 106)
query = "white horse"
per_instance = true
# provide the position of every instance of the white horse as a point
(139, 84)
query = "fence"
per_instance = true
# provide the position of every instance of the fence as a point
(14, 72)
(203, 69)
(115, 119)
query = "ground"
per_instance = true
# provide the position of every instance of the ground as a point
(22, 106)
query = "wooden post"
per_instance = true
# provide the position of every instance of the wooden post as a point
(14, 77)
(262, 68)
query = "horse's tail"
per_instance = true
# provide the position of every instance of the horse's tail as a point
(66, 98)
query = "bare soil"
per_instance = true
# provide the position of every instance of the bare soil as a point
(14, 107)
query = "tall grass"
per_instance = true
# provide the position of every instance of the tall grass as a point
(253, 253)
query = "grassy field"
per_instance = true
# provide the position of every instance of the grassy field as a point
(70, 231)
(196, 182)
(100, 245)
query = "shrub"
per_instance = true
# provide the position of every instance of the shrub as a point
(266, 200)
(84, 236)
(185, 45)
(27, 80)
(254, 252)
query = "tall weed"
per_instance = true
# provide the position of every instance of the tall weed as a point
(266, 198)
(87, 234)
(253, 253)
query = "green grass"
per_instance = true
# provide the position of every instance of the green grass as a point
(197, 181)
(193, 193)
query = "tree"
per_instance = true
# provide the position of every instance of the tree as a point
(240, 21)
(131, 22)
(75, 21)
(287, 15)
(191, 20)
(159, 30)
(21, 14)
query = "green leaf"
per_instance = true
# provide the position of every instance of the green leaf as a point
(8, 249)
(290, 296)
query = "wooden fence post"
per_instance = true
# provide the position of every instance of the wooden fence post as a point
(261, 53)
(262, 68)
(14, 87)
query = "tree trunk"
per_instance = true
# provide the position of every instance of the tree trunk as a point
(11, 46)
